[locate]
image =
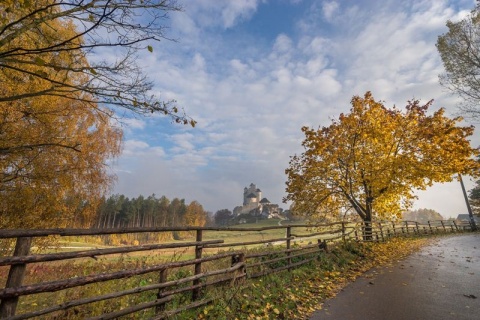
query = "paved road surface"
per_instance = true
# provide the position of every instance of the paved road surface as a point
(442, 281)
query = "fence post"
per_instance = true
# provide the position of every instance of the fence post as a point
(406, 226)
(198, 265)
(15, 277)
(163, 278)
(322, 245)
(443, 225)
(418, 228)
(239, 258)
(343, 232)
(455, 224)
(381, 231)
(289, 234)
(394, 230)
(430, 226)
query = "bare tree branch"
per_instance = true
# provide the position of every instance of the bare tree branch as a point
(128, 25)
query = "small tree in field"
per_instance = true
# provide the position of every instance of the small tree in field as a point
(223, 217)
(372, 159)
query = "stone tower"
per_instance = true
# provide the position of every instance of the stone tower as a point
(251, 195)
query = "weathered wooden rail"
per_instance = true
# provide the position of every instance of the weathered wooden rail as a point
(213, 263)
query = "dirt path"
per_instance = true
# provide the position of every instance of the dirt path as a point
(442, 281)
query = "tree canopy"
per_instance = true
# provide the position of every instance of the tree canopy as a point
(59, 97)
(223, 217)
(120, 211)
(459, 49)
(53, 154)
(44, 43)
(421, 215)
(373, 158)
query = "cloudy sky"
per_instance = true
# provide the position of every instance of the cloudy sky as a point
(253, 72)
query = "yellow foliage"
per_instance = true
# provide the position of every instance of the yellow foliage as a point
(45, 43)
(54, 147)
(373, 158)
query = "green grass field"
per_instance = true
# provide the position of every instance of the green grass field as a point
(65, 244)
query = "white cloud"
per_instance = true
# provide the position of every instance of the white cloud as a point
(133, 123)
(209, 13)
(198, 63)
(250, 106)
(237, 10)
(134, 145)
(138, 148)
(183, 141)
(283, 44)
(330, 8)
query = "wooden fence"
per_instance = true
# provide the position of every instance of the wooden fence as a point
(209, 263)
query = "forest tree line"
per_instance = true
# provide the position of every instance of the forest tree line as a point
(152, 211)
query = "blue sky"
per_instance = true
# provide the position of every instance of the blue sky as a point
(253, 72)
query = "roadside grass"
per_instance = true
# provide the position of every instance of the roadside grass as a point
(284, 295)
(44, 272)
(298, 293)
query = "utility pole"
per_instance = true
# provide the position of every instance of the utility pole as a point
(470, 213)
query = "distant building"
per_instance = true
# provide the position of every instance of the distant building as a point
(466, 218)
(255, 205)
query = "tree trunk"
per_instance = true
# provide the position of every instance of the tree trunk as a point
(367, 222)
(367, 229)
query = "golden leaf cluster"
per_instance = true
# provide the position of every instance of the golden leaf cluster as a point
(53, 148)
(373, 158)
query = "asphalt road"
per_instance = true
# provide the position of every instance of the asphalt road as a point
(442, 281)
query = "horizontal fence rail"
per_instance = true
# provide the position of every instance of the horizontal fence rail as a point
(180, 271)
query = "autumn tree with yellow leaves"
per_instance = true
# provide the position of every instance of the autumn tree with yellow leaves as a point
(36, 36)
(58, 101)
(372, 159)
(53, 155)
(53, 147)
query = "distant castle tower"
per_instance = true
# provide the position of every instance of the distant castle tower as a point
(255, 205)
(251, 195)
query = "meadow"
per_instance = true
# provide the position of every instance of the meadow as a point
(267, 258)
